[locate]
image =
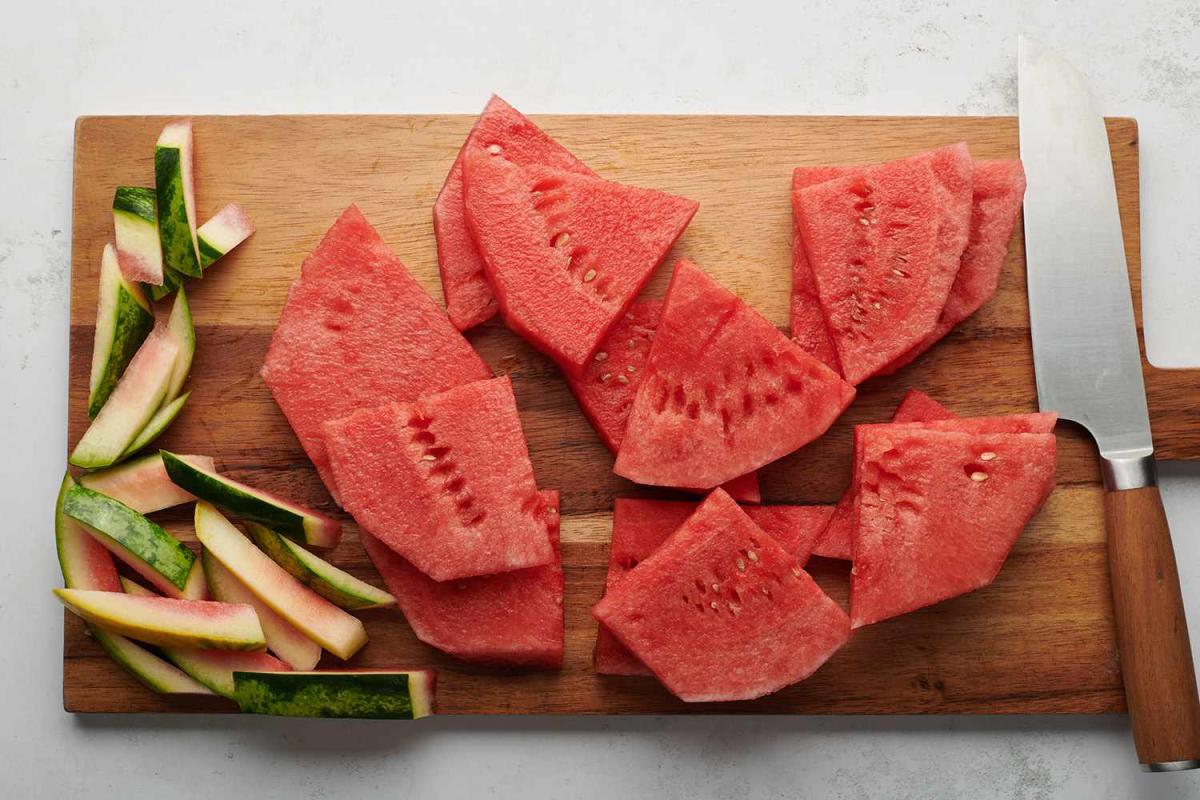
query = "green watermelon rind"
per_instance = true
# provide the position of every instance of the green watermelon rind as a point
(123, 321)
(253, 505)
(335, 585)
(174, 226)
(350, 695)
(114, 523)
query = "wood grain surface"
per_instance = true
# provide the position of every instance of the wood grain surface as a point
(1039, 640)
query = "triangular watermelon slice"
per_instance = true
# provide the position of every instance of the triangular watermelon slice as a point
(445, 481)
(513, 618)
(837, 540)
(720, 611)
(469, 298)
(998, 189)
(809, 327)
(566, 254)
(884, 243)
(606, 387)
(724, 392)
(939, 511)
(357, 332)
(640, 526)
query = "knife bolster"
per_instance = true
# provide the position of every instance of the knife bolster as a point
(1122, 473)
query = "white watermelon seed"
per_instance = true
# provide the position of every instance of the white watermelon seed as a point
(716, 587)
(601, 356)
(589, 276)
(713, 605)
(494, 149)
(979, 477)
(561, 239)
(622, 379)
(988, 456)
(864, 221)
(753, 556)
(795, 570)
(604, 378)
(631, 368)
(428, 458)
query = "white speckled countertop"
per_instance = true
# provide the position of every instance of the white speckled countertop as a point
(850, 57)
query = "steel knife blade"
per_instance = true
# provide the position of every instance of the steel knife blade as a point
(1088, 367)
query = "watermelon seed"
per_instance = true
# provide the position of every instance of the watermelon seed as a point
(589, 276)
(979, 477)
(716, 587)
(796, 570)
(988, 456)
(604, 378)
(494, 149)
(741, 565)
(713, 605)
(631, 368)
(601, 356)
(622, 379)
(428, 458)
(734, 608)
(632, 344)
(753, 556)
(864, 221)
(561, 239)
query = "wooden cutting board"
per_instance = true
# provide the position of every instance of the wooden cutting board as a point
(1038, 640)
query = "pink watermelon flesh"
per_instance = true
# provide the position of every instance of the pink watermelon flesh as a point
(839, 536)
(512, 618)
(720, 611)
(606, 387)
(640, 526)
(445, 481)
(357, 332)
(469, 298)
(837, 540)
(809, 327)
(939, 511)
(998, 189)
(724, 392)
(884, 243)
(566, 254)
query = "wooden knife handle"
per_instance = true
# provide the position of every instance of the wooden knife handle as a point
(1156, 656)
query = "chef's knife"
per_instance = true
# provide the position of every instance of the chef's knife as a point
(1089, 370)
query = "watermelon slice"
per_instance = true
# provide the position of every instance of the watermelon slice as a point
(720, 611)
(809, 327)
(142, 484)
(445, 481)
(606, 387)
(356, 332)
(998, 189)
(566, 254)
(939, 511)
(640, 526)
(503, 129)
(837, 540)
(512, 618)
(724, 391)
(884, 243)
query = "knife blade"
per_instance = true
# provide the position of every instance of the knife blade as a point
(1088, 368)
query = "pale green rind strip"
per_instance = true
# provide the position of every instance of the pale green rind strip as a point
(161, 420)
(130, 406)
(181, 329)
(168, 622)
(334, 584)
(283, 638)
(148, 668)
(228, 228)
